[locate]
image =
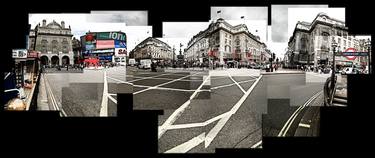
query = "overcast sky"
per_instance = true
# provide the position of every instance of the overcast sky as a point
(279, 20)
(183, 29)
(80, 26)
(131, 18)
(235, 13)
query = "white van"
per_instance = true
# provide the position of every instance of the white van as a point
(144, 64)
(131, 62)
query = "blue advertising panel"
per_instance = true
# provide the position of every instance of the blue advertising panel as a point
(120, 44)
(105, 57)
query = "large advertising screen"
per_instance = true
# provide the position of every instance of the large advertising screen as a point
(111, 35)
(120, 44)
(120, 52)
(102, 44)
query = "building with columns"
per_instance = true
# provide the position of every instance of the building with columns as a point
(311, 43)
(54, 41)
(222, 42)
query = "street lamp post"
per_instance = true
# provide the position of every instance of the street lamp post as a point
(334, 45)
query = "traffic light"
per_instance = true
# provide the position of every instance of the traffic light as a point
(273, 56)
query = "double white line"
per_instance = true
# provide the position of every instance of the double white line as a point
(290, 121)
(55, 104)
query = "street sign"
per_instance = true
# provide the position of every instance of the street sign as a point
(349, 51)
(19, 53)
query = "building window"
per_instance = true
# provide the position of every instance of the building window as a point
(226, 41)
(237, 42)
(230, 42)
(54, 46)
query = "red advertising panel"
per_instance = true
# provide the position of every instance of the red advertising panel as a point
(102, 44)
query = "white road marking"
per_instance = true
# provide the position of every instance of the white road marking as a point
(304, 125)
(291, 119)
(185, 147)
(55, 104)
(118, 81)
(141, 91)
(214, 131)
(104, 105)
(238, 85)
(200, 124)
(150, 77)
(228, 85)
(112, 99)
(256, 144)
(177, 113)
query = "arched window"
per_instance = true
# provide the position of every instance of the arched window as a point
(44, 44)
(65, 46)
(54, 46)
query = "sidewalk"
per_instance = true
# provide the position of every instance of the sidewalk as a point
(42, 96)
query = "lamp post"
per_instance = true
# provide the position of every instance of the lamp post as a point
(368, 45)
(334, 45)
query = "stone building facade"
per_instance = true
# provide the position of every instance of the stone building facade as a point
(222, 42)
(152, 48)
(54, 41)
(311, 43)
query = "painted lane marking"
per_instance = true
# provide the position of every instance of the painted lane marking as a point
(112, 99)
(200, 124)
(304, 125)
(291, 119)
(214, 131)
(238, 85)
(231, 84)
(256, 145)
(185, 147)
(55, 103)
(177, 113)
(104, 105)
(141, 91)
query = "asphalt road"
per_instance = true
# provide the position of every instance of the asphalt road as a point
(286, 93)
(224, 117)
(81, 94)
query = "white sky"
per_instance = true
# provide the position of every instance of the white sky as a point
(183, 29)
(309, 14)
(131, 18)
(276, 47)
(80, 26)
(235, 13)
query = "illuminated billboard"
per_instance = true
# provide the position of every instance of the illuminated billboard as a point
(102, 44)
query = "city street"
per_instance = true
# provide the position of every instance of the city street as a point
(81, 94)
(232, 116)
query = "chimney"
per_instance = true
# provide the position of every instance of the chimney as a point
(63, 24)
(44, 22)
